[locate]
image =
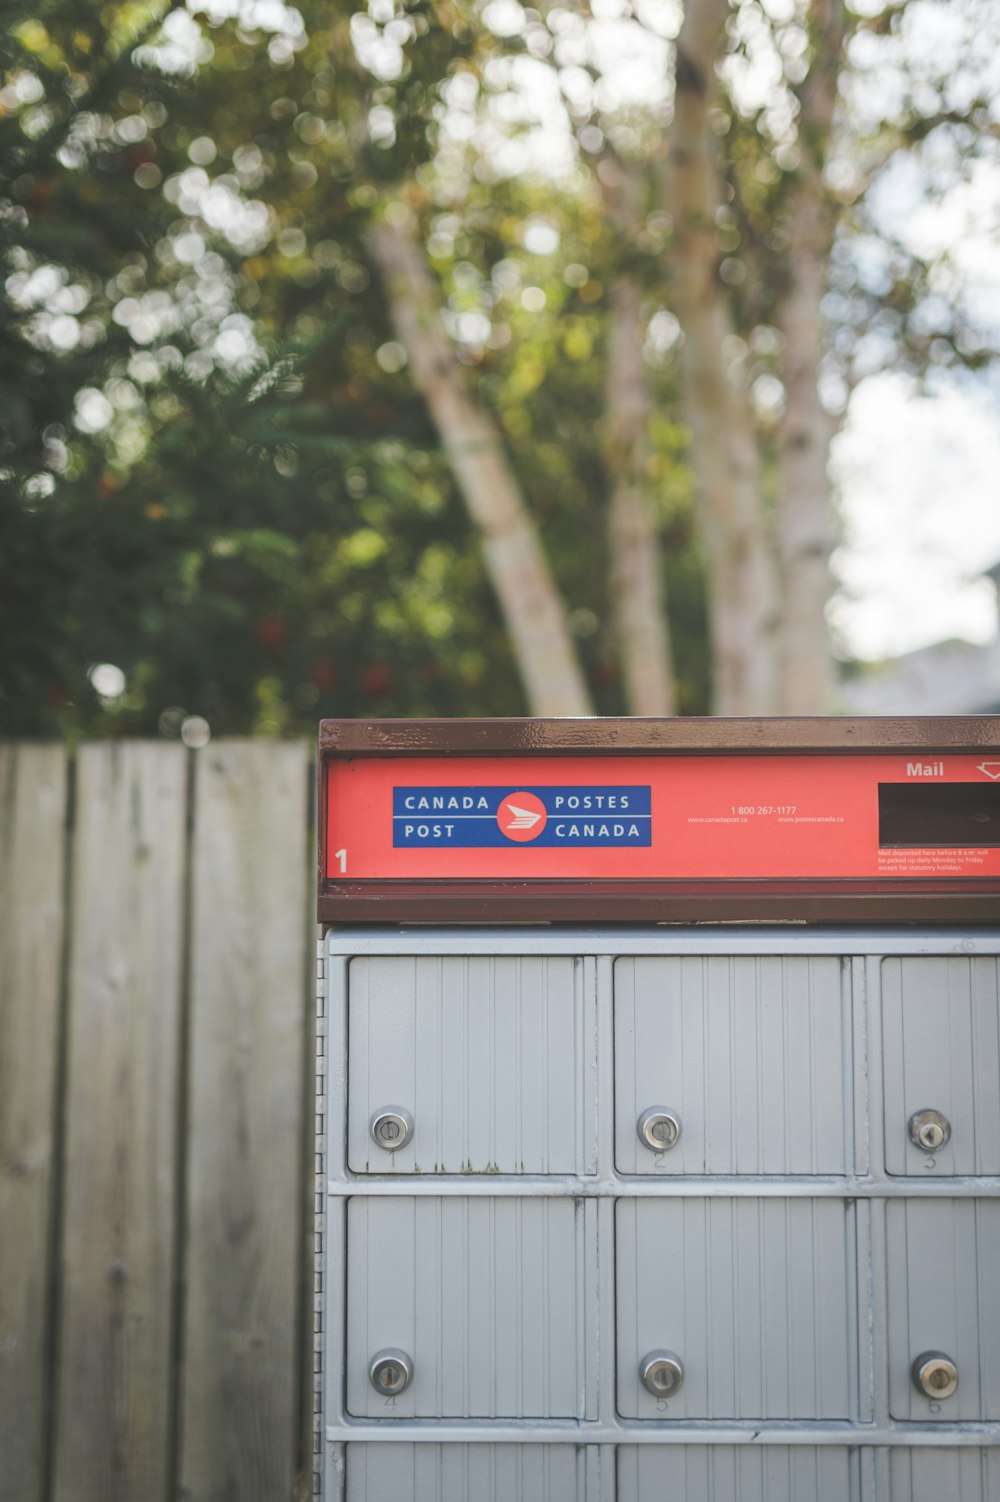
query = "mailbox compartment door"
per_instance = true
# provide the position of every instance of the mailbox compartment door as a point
(491, 1058)
(932, 1474)
(466, 1473)
(756, 1297)
(751, 1054)
(738, 1473)
(487, 1298)
(941, 1042)
(943, 1262)
(806, 1473)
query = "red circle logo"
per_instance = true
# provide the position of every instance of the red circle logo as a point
(522, 817)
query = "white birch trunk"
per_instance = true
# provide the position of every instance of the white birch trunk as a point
(743, 580)
(512, 549)
(805, 520)
(805, 523)
(636, 584)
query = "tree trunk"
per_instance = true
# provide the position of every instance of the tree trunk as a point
(512, 549)
(743, 581)
(637, 593)
(805, 525)
(805, 530)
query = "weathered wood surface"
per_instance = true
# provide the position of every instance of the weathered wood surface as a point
(239, 1423)
(32, 842)
(153, 1122)
(123, 1018)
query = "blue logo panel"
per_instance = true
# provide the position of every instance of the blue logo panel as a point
(467, 818)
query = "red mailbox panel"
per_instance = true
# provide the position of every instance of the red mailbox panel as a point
(633, 820)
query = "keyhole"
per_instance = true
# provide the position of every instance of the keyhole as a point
(661, 1380)
(929, 1130)
(391, 1127)
(939, 1379)
(658, 1129)
(390, 1373)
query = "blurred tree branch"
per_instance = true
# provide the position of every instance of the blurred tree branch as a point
(636, 568)
(517, 566)
(744, 590)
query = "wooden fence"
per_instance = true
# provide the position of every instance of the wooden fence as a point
(156, 955)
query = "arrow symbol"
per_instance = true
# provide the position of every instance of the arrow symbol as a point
(525, 818)
(991, 768)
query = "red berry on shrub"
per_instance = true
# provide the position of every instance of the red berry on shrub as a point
(324, 674)
(272, 631)
(375, 681)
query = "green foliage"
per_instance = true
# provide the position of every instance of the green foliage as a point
(261, 539)
(254, 567)
(216, 474)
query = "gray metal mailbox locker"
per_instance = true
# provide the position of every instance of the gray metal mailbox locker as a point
(658, 1111)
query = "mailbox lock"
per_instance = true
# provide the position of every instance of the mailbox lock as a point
(662, 1373)
(391, 1128)
(390, 1372)
(929, 1130)
(935, 1375)
(659, 1129)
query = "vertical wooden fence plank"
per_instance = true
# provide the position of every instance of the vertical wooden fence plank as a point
(125, 974)
(248, 968)
(32, 843)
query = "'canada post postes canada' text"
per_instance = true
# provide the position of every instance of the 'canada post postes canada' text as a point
(543, 817)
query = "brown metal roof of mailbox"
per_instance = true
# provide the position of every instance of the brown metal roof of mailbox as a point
(674, 820)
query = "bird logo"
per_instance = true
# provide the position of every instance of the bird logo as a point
(522, 816)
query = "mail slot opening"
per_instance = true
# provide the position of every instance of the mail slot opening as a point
(957, 814)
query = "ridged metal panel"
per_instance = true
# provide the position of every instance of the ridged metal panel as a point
(488, 1297)
(753, 1053)
(738, 1473)
(493, 1058)
(769, 1285)
(939, 1475)
(757, 1298)
(943, 1262)
(465, 1473)
(941, 1031)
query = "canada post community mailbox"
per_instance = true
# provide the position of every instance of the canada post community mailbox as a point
(658, 1111)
